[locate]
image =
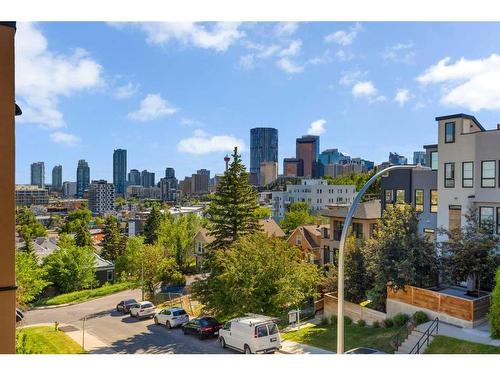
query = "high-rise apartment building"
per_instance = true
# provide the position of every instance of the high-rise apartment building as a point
(134, 177)
(200, 181)
(169, 172)
(31, 195)
(147, 178)
(396, 159)
(38, 174)
(82, 178)
(168, 185)
(263, 148)
(292, 167)
(268, 172)
(307, 150)
(120, 170)
(69, 189)
(101, 196)
(57, 177)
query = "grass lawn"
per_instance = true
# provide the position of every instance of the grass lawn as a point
(84, 295)
(450, 345)
(46, 340)
(325, 336)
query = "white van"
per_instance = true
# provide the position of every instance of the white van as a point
(251, 334)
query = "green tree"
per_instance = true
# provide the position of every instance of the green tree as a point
(257, 275)
(297, 215)
(27, 224)
(398, 256)
(112, 243)
(494, 315)
(152, 225)
(71, 268)
(469, 252)
(356, 282)
(30, 278)
(75, 219)
(82, 236)
(262, 213)
(359, 180)
(231, 211)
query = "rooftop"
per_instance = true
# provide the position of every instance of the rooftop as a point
(365, 210)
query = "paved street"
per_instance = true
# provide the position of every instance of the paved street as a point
(121, 332)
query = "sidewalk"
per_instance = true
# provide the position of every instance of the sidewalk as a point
(480, 334)
(292, 347)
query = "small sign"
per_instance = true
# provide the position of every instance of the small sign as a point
(293, 316)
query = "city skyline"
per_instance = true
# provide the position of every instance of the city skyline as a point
(352, 83)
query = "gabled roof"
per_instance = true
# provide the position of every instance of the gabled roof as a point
(365, 210)
(101, 263)
(311, 233)
(269, 226)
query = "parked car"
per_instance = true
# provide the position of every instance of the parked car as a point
(173, 317)
(142, 309)
(19, 315)
(202, 327)
(363, 350)
(251, 334)
(124, 306)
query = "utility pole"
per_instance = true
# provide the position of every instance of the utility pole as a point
(83, 333)
(142, 275)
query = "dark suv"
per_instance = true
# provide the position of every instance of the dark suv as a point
(124, 306)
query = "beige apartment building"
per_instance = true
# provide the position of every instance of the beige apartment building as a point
(268, 172)
(468, 172)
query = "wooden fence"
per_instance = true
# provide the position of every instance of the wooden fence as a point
(456, 307)
(352, 310)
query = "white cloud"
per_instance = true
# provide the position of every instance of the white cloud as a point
(473, 84)
(203, 143)
(64, 138)
(247, 62)
(286, 28)
(219, 36)
(348, 78)
(344, 37)
(152, 107)
(402, 96)
(293, 48)
(289, 66)
(401, 52)
(126, 91)
(317, 127)
(190, 122)
(367, 90)
(342, 55)
(44, 76)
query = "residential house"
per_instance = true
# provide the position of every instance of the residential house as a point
(202, 239)
(363, 225)
(308, 239)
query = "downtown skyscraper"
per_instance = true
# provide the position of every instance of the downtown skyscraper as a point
(57, 177)
(38, 174)
(263, 148)
(82, 178)
(120, 170)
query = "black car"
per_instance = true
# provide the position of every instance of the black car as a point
(202, 327)
(19, 315)
(124, 306)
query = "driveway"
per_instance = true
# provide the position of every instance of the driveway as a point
(122, 333)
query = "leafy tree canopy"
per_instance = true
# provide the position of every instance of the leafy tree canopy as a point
(75, 220)
(30, 278)
(297, 215)
(359, 180)
(28, 226)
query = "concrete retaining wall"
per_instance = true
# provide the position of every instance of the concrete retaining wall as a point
(352, 310)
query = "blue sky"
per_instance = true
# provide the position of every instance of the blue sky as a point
(182, 95)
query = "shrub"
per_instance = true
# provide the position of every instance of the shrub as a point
(494, 314)
(324, 320)
(400, 319)
(388, 323)
(420, 317)
(376, 324)
(361, 323)
(347, 321)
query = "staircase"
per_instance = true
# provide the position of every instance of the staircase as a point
(417, 342)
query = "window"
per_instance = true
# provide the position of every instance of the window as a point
(326, 254)
(434, 201)
(449, 132)
(454, 217)
(325, 232)
(357, 230)
(109, 275)
(337, 230)
(273, 328)
(419, 200)
(449, 175)
(468, 174)
(488, 174)
(486, 218)
(498, 220)
(389, 197)
(298, 240)
(261, 331)
(400, 196)
(434, 160)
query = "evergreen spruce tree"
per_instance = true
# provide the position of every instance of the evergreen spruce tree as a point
(231, 211)
(82, 236)
(111, 244)
(152, 225)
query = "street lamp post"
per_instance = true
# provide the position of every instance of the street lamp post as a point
(345, 231)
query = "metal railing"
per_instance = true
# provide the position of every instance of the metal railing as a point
(401, 335)
(434, 326)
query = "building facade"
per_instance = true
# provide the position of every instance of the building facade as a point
(292, 167)
(120, 170)
(316, 193)
(38, 174)
(134, 177)
(396, 159)
(268, 172)
(31, 195)
(468, 172)
(82, 178)
(263, 148)
(101, 196)
(307, 150)
(57, 178)
(147, 178)
(69, 189)
(419, 157)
